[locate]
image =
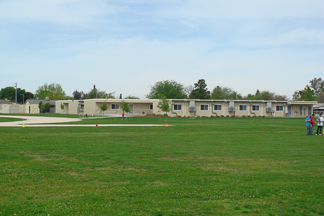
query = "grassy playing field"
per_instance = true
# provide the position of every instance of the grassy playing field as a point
(202, 166)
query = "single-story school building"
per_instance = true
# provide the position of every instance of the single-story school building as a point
(189, 107)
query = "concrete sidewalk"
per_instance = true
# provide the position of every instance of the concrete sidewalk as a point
(40, 121)
(27, 120)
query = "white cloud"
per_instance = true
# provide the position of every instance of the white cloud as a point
(130, 66)
(76, 12)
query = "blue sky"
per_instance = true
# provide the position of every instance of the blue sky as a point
(125, 46)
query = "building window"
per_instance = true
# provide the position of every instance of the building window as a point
(177, 107)
(151, 106)
(255, 107)
(204, 107)
(114, 106)
(82, 106)
(243, 107)
(279, 108)
(217, 107)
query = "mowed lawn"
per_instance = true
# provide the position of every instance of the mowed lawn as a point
(202, 166)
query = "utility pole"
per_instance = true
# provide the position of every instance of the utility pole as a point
(16, 93)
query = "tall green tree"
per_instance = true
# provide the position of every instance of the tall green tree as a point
(265, 95)
(78, 95)
(9, 93)
(53, 91)
(317, 84)
(96, 93)
(307, 94)
(320, 98)
(224, 93)
(169, 88)
(200, 90)
(131, 97)
(164, 105)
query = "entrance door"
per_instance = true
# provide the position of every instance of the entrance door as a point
(289, 110)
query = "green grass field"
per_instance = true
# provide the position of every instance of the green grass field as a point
(202, 166)
(10, 119)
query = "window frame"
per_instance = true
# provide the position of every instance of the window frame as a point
(256, 106)
(201, 105)
(221, 107)
(244, 106)
(151, 106)
(115, 106)
(278, 110)
(177, 105)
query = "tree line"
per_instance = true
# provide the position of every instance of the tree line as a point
(174, 90)
(169, 89)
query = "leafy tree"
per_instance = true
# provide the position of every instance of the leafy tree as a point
(169, 88)
(62, 106)
(78, 95)
(103, 108)
(96, 93)
(307, 94)
(53, 91)
(29, 95)
(9, 93)
(320, 98)
(188, 89)
(131, 97)
(224, 93)
(41, 106)
(124, 107)
(164, 105)
(317, 84)
(200, 90)
(265, 95)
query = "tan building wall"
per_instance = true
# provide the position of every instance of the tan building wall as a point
(12, 108)
(242, 108)
(181, 107)
(4, 108)
(32, 109)
(93, 106)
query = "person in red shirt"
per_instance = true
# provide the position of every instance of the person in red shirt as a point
(123, 116)
(312, 122)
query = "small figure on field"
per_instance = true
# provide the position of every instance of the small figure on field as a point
(319, 124)
(312, 124)
(123, 116)
(308, 124)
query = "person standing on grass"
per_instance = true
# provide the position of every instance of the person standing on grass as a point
(308, 124)
(123, 116)
(319, 124)
(312, 124)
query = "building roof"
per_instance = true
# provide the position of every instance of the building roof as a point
(319, 106)
(52, 102)
(5, 102)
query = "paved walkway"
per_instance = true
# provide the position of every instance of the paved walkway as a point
(40, 121)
